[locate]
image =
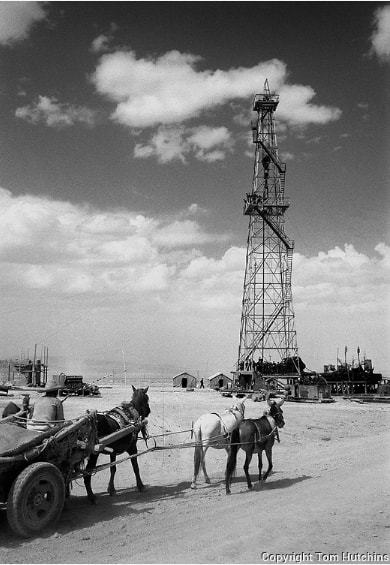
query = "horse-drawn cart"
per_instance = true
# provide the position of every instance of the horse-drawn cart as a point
(36, 469)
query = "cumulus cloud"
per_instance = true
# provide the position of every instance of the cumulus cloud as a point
(102, 42)
(55, 114)
(380, 39)
(176, 143)
(167, 144)
(17, 19)
(170, 89)
(98, 275)
(286, 156)
(345, 279)
(64, 248)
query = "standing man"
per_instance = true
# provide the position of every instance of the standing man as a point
(201, 384)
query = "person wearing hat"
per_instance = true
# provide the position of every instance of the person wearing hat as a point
(48, 410)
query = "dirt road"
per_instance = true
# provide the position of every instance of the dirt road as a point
(328, 494)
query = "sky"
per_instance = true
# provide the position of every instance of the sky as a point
(125, 155)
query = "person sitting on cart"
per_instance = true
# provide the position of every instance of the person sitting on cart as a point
(48, 410)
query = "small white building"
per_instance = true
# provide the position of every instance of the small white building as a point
(220, 380)
(184, 380)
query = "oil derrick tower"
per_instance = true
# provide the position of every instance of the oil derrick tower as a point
(268, 342)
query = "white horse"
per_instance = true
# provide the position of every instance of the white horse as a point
(214, 430)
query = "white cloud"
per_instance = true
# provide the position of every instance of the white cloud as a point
(171, 143)
(380, 39)
(17, 19)
(55, 114)
(66, 248)
(187, 232)
(167, 144)
(102, 42)
(169, 89)
(343, 279)
(98, 275)
(210, 144)
(63, 247)
(296, 109)
(286, 156)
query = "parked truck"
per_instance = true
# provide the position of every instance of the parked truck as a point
(74, 384)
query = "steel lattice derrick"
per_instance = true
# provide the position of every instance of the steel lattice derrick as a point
(267, 320)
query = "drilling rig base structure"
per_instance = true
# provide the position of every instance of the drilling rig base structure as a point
(268, 343)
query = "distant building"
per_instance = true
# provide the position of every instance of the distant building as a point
(219, 380)
(184, 380)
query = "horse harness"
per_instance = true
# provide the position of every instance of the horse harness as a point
(226, 434)
(262, 439)
(122, 416)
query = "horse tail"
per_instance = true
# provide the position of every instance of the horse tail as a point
(234, 442)
(198, 451)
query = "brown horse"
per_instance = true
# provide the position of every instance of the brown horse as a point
(255, 436)
(129, 412)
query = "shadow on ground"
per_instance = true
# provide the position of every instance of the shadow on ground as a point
(79, 513)
(270, 483)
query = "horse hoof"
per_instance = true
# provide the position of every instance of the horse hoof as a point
(111, 491)
(228, 492)
(208, 481)
(141, 488)
(250, 487)
(193, 485)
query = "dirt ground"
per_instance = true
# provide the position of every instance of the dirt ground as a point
(328, 494)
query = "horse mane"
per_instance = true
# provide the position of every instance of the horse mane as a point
(130, 410)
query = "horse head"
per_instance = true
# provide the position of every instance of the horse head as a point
(276, 411)
(239, 407)
(140, 401)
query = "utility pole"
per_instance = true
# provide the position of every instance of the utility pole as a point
(34, 377)
(124, 367)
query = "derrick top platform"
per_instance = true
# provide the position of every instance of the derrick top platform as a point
(265, 101)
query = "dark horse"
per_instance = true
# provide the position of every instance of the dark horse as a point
(112, 421)
(255, 436)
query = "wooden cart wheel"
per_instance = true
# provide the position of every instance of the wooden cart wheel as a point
(36, 499)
